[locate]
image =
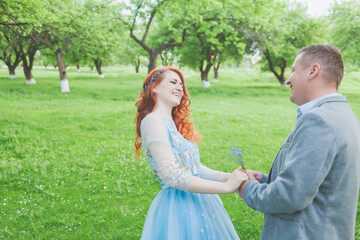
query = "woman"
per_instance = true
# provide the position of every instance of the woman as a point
(168, 138)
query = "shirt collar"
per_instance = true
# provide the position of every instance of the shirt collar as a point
(309, 105)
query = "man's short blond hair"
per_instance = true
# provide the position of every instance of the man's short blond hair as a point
(328, 57)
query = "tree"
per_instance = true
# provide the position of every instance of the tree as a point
(75, 55)
(345, 29)
(170, 20)
(48, 22)
(58, 45)
(28, 47)
(280, 34)
(10, 52)
(132, 53)
(99, 34)
(57, 32)
(210, 37)
(233, 52)
(18, 18)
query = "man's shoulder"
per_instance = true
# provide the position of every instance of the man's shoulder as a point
(336, 116)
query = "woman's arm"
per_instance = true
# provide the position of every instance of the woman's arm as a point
(156, 141)
(233, 182)
(210, 174)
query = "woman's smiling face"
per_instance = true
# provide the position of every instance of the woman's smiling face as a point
(170, 90)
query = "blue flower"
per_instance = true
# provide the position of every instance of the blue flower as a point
(238, 155)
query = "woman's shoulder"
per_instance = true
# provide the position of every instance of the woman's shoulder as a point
(156, 118)
(153, 116)
(150, 117)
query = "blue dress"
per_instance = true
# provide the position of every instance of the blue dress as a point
(176, 213)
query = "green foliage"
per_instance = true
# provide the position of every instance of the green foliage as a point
(213, 34)
(345, 29)
(225, 30)
(280, 34)
(67, 165)
(130, 51)
(9, 49)
(100, 32)
(46, 58)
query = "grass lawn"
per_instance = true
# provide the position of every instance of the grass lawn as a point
(67, 165)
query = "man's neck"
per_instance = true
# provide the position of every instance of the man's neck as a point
(320, 92)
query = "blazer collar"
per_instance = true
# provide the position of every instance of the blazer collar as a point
(339, 98)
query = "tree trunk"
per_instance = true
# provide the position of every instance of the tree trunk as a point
(153, 60)
(11, 71)
(6, 57)
(280, 77)
(98, 63)
(209, 60)
(92, 68)
(12, 66)
(282, 81)
(205, 73)
(216, 72)
(28, 75)
(27, 67)
(136, 63)
(78, 67)
(64, 83)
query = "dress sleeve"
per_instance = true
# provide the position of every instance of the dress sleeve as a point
(155, 138)
(208, 173)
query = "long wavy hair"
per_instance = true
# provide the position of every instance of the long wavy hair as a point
(180, 114)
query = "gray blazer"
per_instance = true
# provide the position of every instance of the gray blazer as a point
(312, 189)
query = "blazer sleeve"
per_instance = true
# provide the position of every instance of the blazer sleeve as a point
(308, 159)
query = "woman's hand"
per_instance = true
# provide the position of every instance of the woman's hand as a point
(236, 178)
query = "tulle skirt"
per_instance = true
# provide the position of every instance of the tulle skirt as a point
(178, 215)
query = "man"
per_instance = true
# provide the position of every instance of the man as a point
(312, 189)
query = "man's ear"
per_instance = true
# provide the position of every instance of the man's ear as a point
(314, 71)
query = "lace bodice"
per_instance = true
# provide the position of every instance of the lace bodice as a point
(173, 159)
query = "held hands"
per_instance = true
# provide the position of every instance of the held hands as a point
(236, 178)
(251, 175)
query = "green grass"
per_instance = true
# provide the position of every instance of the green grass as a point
(67, 165)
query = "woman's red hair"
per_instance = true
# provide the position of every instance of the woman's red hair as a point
(180, 114)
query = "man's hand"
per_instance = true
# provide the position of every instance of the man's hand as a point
(257, 175)
(242, 186)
